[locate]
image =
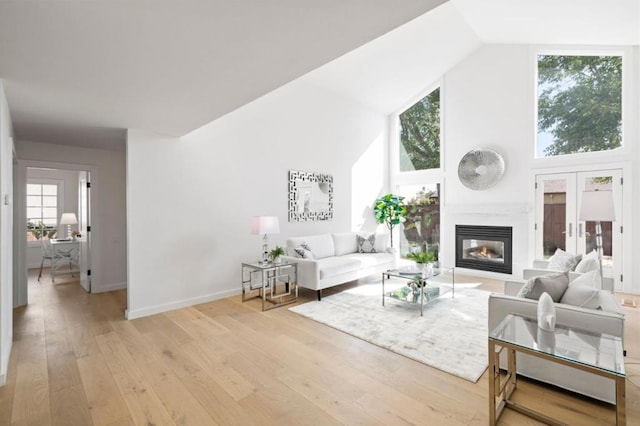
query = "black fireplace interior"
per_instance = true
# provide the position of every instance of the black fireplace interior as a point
(486, 248)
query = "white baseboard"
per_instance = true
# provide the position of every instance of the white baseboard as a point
(3, 379)
(109, 287)
(157, 309)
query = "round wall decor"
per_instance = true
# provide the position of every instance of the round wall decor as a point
(480, 169)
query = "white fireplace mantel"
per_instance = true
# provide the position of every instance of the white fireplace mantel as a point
(493, 209)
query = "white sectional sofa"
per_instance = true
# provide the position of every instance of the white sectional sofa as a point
(595, 320)
(336, 260)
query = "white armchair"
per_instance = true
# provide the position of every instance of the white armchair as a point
(594, 320)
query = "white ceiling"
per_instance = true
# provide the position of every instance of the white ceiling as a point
(393, 71)
(170, 67)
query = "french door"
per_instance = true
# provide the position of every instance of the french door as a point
(558, 198)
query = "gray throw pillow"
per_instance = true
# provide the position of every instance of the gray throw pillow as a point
(367, 244)
(554, 284)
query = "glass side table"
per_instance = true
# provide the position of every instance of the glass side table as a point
(595, 353)
(275, 283)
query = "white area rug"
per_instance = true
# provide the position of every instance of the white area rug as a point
(451, 336)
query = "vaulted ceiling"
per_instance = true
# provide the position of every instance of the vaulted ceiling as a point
(169, 66)
(79, 72)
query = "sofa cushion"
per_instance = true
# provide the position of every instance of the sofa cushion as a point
(588, 263)
(563, 261)
(582, 295)
(321, 245)
(554, 284)
(330, 266)
(382, 243)
(367, 260)
(367, 244)
(344, 243)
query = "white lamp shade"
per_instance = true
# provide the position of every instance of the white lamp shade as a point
(68, 219)
(265, 225)
(597, 206)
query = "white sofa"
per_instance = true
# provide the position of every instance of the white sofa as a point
(337, 260)
(597, 321)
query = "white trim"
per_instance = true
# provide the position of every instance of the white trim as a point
(109, 287)
(4, 368)
(157, 309)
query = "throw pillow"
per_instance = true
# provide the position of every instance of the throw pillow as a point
(582, 295)
(304, 252)
(563, 262)
(554, 284)
(608, 303)
(367, 244)
(588, 263)
(382, 243)
(591, 279)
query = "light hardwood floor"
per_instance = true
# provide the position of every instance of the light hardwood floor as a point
(77, 361)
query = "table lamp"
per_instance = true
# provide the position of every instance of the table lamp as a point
(264, 225)
(68, 219)
(597, 206)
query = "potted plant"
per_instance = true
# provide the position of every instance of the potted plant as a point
(275, 254)
(390, 210)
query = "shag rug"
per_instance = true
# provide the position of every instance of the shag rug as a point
(451, 336)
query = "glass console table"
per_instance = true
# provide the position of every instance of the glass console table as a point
(422, 286)
(275, 283)
(595, 353)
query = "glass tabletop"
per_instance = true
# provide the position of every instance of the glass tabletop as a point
(414, 273)
(602, 351)
(421, 285)
(268, 265)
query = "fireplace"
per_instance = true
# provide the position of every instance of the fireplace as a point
(485, 248)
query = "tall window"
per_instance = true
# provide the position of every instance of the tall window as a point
(42, 210)
(420, 134)
(579, 104)
(421, 230)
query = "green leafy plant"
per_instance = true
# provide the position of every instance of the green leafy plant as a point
(421, 257)
(390, 210)
(276, 253)
(40, 231)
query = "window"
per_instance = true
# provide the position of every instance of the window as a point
(421, 230)
(420, 134)
(42, 210)
(579, 104)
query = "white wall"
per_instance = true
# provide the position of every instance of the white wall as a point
(6, 236)
(108, 202)
(190, 200)
(489, 101)
(69, 203)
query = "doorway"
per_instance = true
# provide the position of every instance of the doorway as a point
(558, 198)
(57, 215)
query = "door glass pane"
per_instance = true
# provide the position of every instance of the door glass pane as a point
(34, 189)
(50, 189)
(555, 216)
(602, 183)
(421, 230)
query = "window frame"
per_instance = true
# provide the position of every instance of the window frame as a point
(394, 132)
(59, 202)
(629, 62)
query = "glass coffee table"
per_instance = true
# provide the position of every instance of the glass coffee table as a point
(596, 353)
(422, 286)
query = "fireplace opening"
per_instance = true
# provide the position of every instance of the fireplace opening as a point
(486, 248)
